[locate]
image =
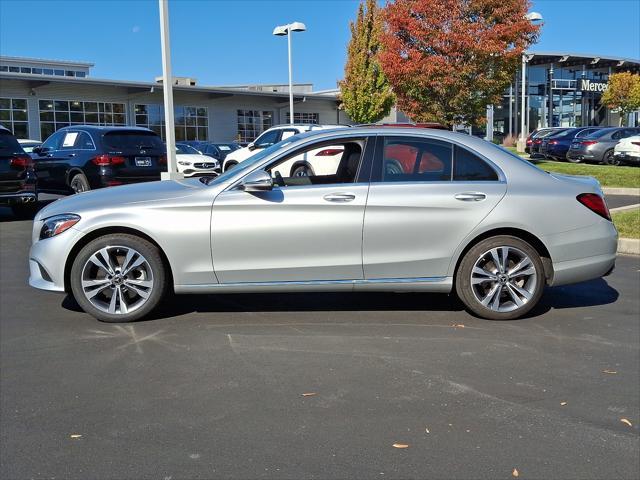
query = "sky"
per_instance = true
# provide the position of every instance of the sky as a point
(227, 42)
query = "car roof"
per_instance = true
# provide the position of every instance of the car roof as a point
(105, 128)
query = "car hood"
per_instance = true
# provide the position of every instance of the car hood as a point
(147, 192)
(192, 157)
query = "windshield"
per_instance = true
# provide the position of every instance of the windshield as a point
(250, 162)
(183, 148)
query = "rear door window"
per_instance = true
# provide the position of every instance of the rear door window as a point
(468, 167)
(408, 159)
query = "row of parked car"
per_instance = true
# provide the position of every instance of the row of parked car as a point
(609, 145)
(80, 158)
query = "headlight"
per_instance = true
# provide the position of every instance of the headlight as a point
(57, 224)
(182, 162)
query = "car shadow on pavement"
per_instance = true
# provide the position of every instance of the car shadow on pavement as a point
(586, 294)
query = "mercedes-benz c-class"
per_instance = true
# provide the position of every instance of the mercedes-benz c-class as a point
(404, 210)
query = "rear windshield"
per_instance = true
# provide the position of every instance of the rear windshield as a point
(600, 133)
(8, 144)
(133, 140)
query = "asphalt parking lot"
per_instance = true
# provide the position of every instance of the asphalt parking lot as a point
(319, 385)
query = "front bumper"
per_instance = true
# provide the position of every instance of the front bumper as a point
(47, 258)
(630, 157)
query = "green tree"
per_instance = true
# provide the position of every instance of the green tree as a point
(623, 93)
(365, 92)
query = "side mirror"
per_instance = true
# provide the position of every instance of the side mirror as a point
(36, 149)
(258, 181)
(251, 147)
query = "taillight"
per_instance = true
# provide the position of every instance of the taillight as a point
(21, 161)
(328, 152)
(529, 141)
(553, 142)
(162, 160)
(537, 142)
(586, 143)
(636, 143)
(106, 160)
(595, 203)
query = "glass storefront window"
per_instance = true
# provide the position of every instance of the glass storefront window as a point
(14, 116)
(191, 122)
(55, 114)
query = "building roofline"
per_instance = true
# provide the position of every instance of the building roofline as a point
(590, 56)
(46, 61)
(154, 86)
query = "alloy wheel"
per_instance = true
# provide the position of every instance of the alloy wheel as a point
(117, 280)
(503, 279)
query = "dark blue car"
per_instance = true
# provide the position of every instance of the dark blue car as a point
(557, 145)
(84, 157)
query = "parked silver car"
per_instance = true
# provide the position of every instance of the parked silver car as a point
(406, 210)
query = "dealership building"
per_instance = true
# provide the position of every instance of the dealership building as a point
(39, 96)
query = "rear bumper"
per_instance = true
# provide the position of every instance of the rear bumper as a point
(583, 156)
(29, 196)
(582, 254)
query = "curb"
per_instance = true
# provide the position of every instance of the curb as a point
(621, 191)
(629, 246)
(625, 208)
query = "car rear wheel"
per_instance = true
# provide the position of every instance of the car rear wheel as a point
(610, 159)
(500, 278)
(79, 183)
(118, 278)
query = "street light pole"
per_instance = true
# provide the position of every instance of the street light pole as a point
(167, 89)
(290, 80)
(287, 30)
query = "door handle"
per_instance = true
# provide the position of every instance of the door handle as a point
(71, 155)
(339, 197)
(470, 196)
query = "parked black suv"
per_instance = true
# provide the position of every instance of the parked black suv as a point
(17, 178)
(79, 158)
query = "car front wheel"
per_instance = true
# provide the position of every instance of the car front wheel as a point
(500, 278)
(118, 278)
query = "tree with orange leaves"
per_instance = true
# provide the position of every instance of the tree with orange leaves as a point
(446, 60)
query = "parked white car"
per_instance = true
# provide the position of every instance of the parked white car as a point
(277, 134)
(191, 162)
(627, 150)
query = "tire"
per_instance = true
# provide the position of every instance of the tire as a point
(610, 159)
(230, 165)
(511, 302)
(302, 171)
(79, 183)
(135, 300)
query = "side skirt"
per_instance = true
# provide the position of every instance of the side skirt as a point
(423, 284)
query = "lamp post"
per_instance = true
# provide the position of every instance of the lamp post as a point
(167, 91)
(533, 17)
(280, 31)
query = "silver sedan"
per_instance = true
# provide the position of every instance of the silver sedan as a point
(404, 210)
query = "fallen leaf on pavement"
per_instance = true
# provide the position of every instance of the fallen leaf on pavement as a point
(625, 421)
(563, 403)
(75, 435)
(400, 445)
(427, 430)
(310, 394)
(610, 372)
(459, 325)
(515, 472)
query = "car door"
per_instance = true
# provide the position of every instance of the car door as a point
(303, 230)
(426, 196)
(47, 164)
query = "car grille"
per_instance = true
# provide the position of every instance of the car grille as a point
(205, 165)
